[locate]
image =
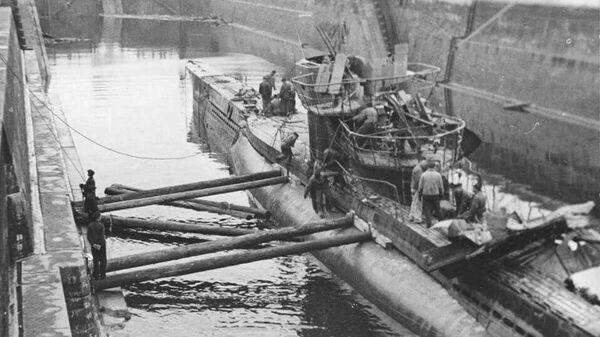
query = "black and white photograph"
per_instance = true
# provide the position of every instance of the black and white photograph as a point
(300, 168)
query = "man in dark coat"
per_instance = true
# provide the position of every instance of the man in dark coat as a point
(288, 97)
(318, 187)
(462, 199)
(477, 206)
(286, 149)
(271, 79)
(90, 202)
(266, 91)
(96, 238)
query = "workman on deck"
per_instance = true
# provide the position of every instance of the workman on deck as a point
(462, 199)
(288, 97)
(271, 79)
(90, 202)
(367, 119)
(318, 187)
(266, 91)
(416, 205)
(96, 238)
(476, 207)
(286, 149)
(431, 189)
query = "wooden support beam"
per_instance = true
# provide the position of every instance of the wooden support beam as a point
(186, 187)
(201, 205)
(161, 199)
(244, 241)
(188, 267)
(189, 204)
(123, 222)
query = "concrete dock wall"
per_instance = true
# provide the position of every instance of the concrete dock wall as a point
(46, 292)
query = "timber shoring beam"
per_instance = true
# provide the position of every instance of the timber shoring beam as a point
(187, 187)
(199, 204)
(123, 222)
(188, 267)
(244, 241)
(161, 199)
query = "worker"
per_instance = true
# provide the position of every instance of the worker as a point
(288, 97)
(96, 238)
(266, 91)
(271, 79)
(90, 201)
(431, 189)
(416, 205)
(476, 207)
(462, 199)
(318, 187)
(366, 121)
(367, 115)
(286, 150)
(446, 195)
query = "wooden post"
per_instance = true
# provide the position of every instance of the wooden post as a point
(189, 204)
(122, 222)
(244, 241)
(182, 268)
(161, 199)
(188, 187)
(203, 205)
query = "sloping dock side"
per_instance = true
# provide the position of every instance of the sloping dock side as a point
(45, 284)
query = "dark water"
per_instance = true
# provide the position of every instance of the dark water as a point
(133, 99)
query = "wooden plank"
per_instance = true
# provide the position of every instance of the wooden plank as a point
(190, 194)
(337, 74)
(189, 267)
(244, 241)
(323, 77)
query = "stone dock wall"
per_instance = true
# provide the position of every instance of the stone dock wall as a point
(44, 277)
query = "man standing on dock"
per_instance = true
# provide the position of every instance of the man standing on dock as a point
(95, 235)
(431, 189)
(90, 202)
(266, 91)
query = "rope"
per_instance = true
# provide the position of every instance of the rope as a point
(32, 94)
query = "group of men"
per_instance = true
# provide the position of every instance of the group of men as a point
(95, 230)
(429, 188)
(284, 103)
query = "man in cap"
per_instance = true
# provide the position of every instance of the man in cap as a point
(266, 91)
(271, 79)
(287, 96)
(431, 189)
(462, 199)
(96, 237)
(318, 187)
(90, 202)
(477, 205)
(286, 149)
